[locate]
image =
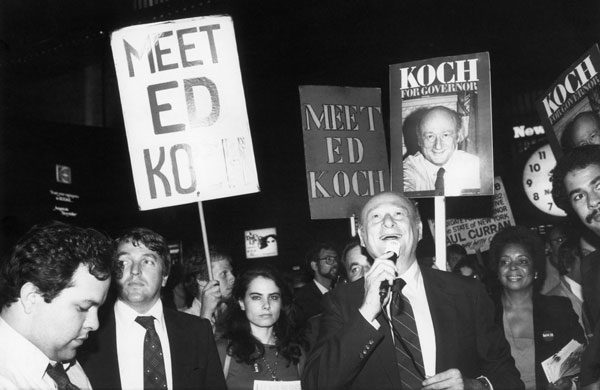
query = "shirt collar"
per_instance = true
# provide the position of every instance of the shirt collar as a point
(127, 315)
(30, 358)
(321, 288)
(412, 275)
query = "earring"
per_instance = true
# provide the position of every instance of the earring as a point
(535, 275)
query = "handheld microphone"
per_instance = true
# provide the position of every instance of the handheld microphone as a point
(384, 286)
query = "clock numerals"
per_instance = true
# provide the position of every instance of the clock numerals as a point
(537, 180)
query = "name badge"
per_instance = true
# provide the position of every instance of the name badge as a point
(548, 335)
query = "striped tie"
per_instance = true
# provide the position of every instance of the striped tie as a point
(154, 364)
(404, 322)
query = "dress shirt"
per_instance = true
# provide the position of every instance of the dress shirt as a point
(23, 365)
(414, 291)
(462, 173)
(323, 289)
(574, 287)
(130, 344)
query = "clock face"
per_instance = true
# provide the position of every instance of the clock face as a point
(537, 181)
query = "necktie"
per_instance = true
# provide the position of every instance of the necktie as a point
(58, 374)
(154, 364)
(404, 322)
(439, 182)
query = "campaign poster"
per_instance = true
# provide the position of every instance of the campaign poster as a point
(570, 108)
(441, 126)
(184, 111)
(476, 234)
(344, 148)
(261, 243)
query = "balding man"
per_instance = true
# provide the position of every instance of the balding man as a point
(439, 165)
(582, 130)
(442, 336)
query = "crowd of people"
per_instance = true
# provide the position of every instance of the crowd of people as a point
(80, 310)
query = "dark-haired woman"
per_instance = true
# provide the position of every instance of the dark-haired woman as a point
(536, 326)
(260, 338)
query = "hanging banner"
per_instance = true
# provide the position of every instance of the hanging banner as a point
(570, 108)
(184, 110)
(476, 234)
(440, 117)
(344, 148)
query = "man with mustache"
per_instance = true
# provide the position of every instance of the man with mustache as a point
(576, 189)
(437, 333)
(51, 287)
(142, 344)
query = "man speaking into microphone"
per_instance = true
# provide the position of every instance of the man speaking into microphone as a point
(431, 330)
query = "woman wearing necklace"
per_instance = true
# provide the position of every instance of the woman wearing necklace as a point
(260, 338)
(536, 326)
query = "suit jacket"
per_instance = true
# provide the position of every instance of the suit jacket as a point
(352, 354)
(555, 323)
(590, 284)
(194, 359)
(309, 298)
(564, 290)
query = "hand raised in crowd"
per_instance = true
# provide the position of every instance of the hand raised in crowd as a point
(382, 269)
(210, 296)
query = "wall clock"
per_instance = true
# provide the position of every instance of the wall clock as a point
(537, 181)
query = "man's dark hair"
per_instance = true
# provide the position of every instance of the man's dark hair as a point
(48, 255)
(566, 139)
(151, 240)
(314, 252)
(578, 158)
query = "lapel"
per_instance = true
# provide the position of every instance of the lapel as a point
(104, 363)
(180, 358)
(442, 299)
(387, 356)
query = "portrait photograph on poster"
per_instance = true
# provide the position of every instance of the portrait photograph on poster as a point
(570, 108)
(441, 129)
(261, 243)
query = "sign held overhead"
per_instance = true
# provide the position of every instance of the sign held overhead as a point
(184, 110)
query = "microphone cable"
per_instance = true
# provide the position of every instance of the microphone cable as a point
(402, 343)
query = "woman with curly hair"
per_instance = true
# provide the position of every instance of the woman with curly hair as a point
(536, 326)
(261, 340)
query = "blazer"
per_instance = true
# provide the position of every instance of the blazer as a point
(352, 354)
(555, 323)
(309, 298)
(194, 358)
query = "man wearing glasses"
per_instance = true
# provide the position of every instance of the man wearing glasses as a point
(323, 262)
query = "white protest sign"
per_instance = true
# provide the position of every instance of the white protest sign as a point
(476, 234)
(184, 110)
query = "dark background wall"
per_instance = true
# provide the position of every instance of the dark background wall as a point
(60, 102)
